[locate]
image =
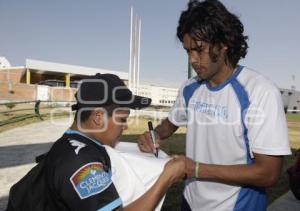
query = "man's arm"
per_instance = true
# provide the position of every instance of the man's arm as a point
(173, 172)
(164, 130)
(264, 172)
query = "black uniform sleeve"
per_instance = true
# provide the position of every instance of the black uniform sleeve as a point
(83, 182)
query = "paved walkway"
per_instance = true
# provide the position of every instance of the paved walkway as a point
(20, 146)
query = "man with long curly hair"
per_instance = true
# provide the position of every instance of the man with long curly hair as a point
(236, 128)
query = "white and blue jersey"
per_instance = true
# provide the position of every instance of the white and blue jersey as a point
(226, 124)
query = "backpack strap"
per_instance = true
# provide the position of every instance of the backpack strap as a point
(41, 157)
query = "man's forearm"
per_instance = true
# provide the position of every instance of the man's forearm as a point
(238, 175)
(165, 129)
(264, 172)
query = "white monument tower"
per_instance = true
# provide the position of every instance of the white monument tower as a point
(134, 54)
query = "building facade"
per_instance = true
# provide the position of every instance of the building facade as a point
(161, 96)
(291, 100)
(48, 81)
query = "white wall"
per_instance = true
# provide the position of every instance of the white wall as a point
(291, 100)
(162, 96)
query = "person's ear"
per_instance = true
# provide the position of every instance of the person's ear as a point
(99, 117)
(224, 47)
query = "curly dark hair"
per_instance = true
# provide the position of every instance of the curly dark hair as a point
(211, 22)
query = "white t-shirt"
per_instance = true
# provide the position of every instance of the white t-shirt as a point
(134, 172)
(225, 125)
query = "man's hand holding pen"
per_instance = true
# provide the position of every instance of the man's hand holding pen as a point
(153, 138)
(151, 145)
(147, 144)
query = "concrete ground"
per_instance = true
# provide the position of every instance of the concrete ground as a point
(20, 146)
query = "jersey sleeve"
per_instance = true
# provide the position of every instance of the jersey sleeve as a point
(267, 126)
(178, 112)
(84, 183)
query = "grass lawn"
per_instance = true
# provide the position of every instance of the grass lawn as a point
(27, 114)
(293, 117)
(294, 130)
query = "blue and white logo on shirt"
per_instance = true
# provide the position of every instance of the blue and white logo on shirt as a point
(90, 179)
(213, 110)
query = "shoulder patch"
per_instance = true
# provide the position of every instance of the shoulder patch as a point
(91, 179)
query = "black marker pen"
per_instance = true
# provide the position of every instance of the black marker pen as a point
(150, 127)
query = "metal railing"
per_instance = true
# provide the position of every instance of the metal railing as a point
(41, 109)
(29, 109)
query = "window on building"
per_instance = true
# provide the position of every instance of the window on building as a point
(295, 110)
(74, 84)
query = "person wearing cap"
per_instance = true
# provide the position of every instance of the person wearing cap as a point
(80, 171)
(236, 127)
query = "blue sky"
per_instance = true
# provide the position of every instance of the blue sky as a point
(95, 33)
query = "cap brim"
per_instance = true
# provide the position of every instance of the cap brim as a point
(138, 102)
